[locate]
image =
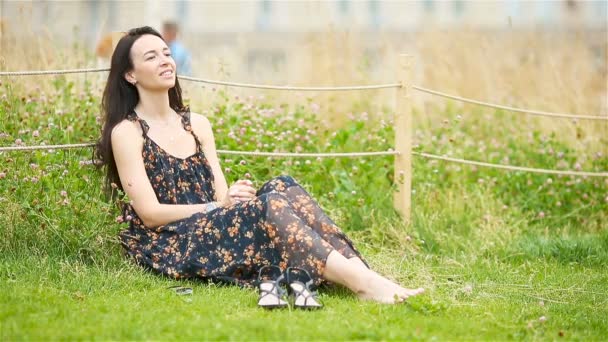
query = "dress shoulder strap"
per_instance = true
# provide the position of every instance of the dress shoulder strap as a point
(188, 127)
(185, 115)
(144, 125)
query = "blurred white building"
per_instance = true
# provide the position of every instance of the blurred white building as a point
(88, 18)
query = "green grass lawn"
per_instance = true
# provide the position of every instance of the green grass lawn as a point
(45, 298)
(502, 255)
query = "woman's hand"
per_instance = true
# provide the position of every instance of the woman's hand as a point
(240, 191)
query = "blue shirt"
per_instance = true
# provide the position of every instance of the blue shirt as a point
(182, 58)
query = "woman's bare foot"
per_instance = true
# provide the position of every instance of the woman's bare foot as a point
(384, 285)
(366, 283)
(382, 290)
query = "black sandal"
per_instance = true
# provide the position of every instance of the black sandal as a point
(300, 284)
(271, 288)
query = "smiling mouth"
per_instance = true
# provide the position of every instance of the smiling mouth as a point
(167, 73)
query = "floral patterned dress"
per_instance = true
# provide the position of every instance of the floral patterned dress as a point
(281, 226)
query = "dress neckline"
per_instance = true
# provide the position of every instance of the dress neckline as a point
(170, 155)
(185, 119)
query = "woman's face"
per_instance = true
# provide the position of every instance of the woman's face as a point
(153, 66)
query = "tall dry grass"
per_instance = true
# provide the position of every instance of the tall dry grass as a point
(43, 52)
(564, 72)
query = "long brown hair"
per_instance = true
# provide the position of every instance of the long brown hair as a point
(120, 98)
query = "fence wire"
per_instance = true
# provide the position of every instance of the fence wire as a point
(340, 155)
(513, 167)
(338, 88)
(512, 109)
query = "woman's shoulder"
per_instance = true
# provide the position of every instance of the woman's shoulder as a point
(200, 121)
(127, 138)
(126, 129)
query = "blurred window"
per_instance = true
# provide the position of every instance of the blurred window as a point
(374, 14)
(344, 6)
(264, 15)
(458, 7)
(429, 6)
(182, 12)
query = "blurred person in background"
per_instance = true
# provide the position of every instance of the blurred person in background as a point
(180, 54)
(103, 49)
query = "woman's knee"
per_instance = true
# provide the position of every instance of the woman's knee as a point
(274, 205)
(273, 197)
(287, 179)
(277, 184)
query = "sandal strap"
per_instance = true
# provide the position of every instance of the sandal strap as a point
(277, 274)
(268, 293)
(275, 291)
(298, 274)
(304, 292)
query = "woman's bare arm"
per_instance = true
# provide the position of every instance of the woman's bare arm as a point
(127, 144)
(241, 190)
(202, 129)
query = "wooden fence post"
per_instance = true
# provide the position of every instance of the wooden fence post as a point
(402, 199)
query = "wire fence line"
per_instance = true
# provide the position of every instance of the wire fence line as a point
(52, 72)
(45, 147)
(338, 88)
(248, 153)
(512, 109)
(339, 155)
(202, 80)
(261, 86)
(310, 155)
(513, 167)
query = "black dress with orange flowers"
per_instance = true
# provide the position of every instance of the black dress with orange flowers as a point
(281, 226)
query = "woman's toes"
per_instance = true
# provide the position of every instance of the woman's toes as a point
(414, 292)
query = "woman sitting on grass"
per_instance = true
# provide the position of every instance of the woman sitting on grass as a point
(185, 221)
